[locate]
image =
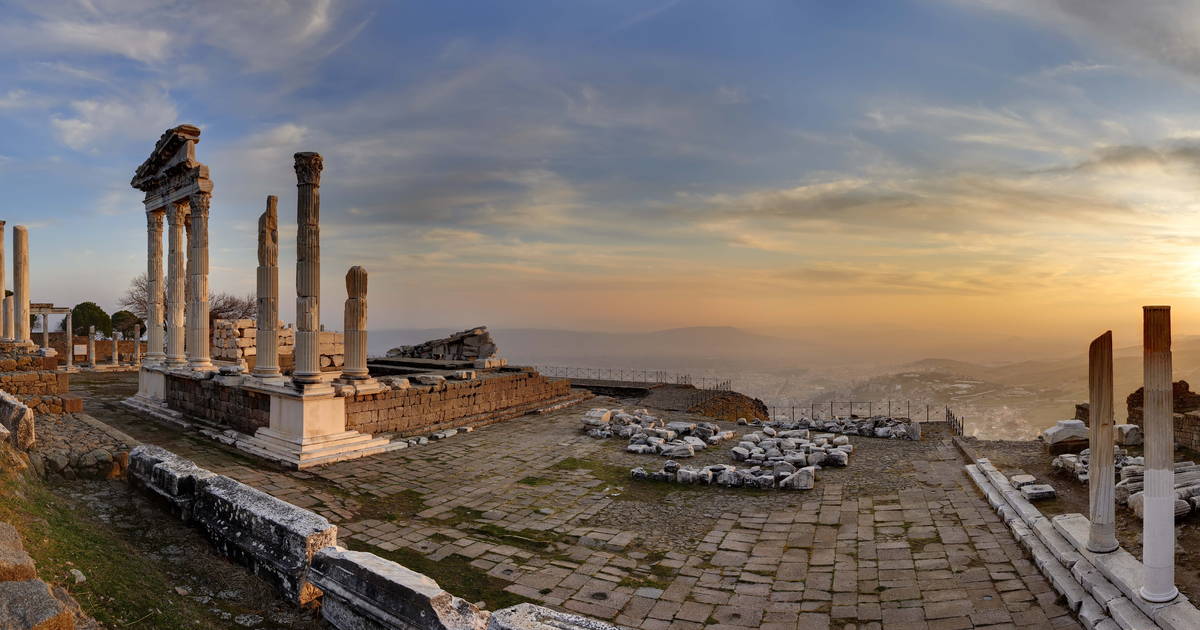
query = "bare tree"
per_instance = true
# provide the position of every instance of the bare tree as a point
(220, 305)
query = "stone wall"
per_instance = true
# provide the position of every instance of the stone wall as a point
(234, 340)
(1186, 404)
(411, 409)
(40, 383)
(208, 400)
(125, 347)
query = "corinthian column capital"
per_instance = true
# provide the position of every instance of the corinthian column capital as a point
(308, 168)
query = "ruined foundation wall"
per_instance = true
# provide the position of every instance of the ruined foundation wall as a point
(125, 347)
(234, 340)
(420, 409)
(233, 407)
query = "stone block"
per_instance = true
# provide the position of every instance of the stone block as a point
(1065, 430)
(364, 591)
(274, 538)
(167, 475)
(15, 564)
(30, 604)
(534, 617)
(1037, 491)
(1128, 434)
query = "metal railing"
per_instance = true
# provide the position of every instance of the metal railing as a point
(634, 375)
(957, 424)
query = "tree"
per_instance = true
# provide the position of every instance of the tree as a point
(220, 305)
(90, 314)
(124, 323)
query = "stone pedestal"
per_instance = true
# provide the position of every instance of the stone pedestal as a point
(1158, 524)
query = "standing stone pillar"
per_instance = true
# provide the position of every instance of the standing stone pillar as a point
(45, 331)
(266, 364)
(10, 333)
(154, 287)
(198, 340)
(307, 370)
(175, 280)
(5, 316)
(21, 285)
(91, 356)
(1102, 537)
(355, 368)
(70, 342)
(137, 344)
(1158, 525)
(116, 354)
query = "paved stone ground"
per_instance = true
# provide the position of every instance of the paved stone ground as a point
(900, 539)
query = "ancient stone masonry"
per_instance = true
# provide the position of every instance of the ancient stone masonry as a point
(356, 326)
(468, 345)
(237, 340)
(236, 408)
(408, 409)
(17, 419)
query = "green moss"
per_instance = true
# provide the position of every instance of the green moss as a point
(402, 505)
(535, 481)
(453, 573)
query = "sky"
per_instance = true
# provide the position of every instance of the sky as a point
(950, 168)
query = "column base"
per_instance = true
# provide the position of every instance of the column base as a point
(152, 385)
(1159, 598)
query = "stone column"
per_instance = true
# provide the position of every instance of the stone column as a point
(45, 331)
(1102, 538)
(1158, 525)
(5, 317)
(116, 353)
(10, 333)
(154, 287)
(137, 344)
(91, 346)
(355, 368)
(198, 333)
(70, 341)
(308, 269)
(21, 285)
(266, 363)
(175, 280)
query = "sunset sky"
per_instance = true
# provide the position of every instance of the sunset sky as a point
(958, 168)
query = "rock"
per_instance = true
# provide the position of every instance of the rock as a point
(30, 604)
(836, 458)
(1020, 481)
(841, 439)
(428, 379)
(678, 449)
(79, 576)
(671, 466)
(1038, 492)
(641, 449)
(816, 458)
(803, 479)
(1128, 434)
(15, 564)
(696, 443)
(638, 473)
(1065, 430)
(533, 617)
(739, 453)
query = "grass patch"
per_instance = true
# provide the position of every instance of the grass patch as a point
(453, 573)
(402, 505)
(122, 586)
(535, 481)
(528, 540)
(632, 581)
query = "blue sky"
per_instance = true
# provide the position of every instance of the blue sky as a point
(934, 164)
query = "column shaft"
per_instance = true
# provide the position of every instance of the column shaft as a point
(266, 364)
(198, 331)
(1158, 525)
(1102, 536)
(175, 282)
(45, 330)
(137, 344)
(21, 284)
(70, 341)
(10, 333)
(308, 269)
(116, 352)
(355, 325)
(91, 355)
(5, 317)
(155, 352)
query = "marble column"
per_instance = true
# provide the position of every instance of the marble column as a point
(266, 364)
(355, 368)
(70, 341)
(198, 332)
(137, 344)
(175, 281)
(45, 331)
(154, 287)
(5, 317)
(1102, 537)
(21, 285)
(10, 333)
(116, 352)
(1158, 525)
(307, 370)
(91, 356)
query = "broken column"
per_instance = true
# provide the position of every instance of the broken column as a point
(21, 285)
(267, 358)
(70, 342)
(307, 369)
(91, 356)
(198, 331)
(1102, 537)
(154, 287)
(175, 278)
(9, 304)
(1158, 525)
(355, 368)
(45, 332)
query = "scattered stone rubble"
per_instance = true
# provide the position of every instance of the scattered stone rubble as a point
(650, 435)
(469, 345)
(1031, 489)
(781, 475)
(1131, 475)
(874, 426)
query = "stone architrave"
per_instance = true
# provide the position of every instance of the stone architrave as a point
(355, 368)
(1102, 537)
(91, 355)
(175, 282)
(266, 363)
(198, 325)
(1158, 524)
(155, 352)
(307, 370)
(21, 285)
(70, 341)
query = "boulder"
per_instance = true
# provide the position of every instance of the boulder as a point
(15, 564)
(837, 458)
(30, 604)
(678, 449)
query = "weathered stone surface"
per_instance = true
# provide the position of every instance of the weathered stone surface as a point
(29, 605)
(533, 617)
(1020, 481)
(15, 564)
(1128, 434)
(803, 479)
(469, 345)
(274, 538)
(362, 590)
(1065, 430)
(17, 417)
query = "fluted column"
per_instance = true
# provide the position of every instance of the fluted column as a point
(1158, 525)
(21, 284)
(45, 331)
(1102, 537)
(266, 363)
(137, 344)
(355, 368)
(175, 280)
(198, 331)
(155, 352)
(10, 333)
(91, 357)
(308, 269)
(116, 353)
(5, 317)
(70, 341)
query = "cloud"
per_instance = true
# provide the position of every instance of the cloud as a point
(113, 118)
